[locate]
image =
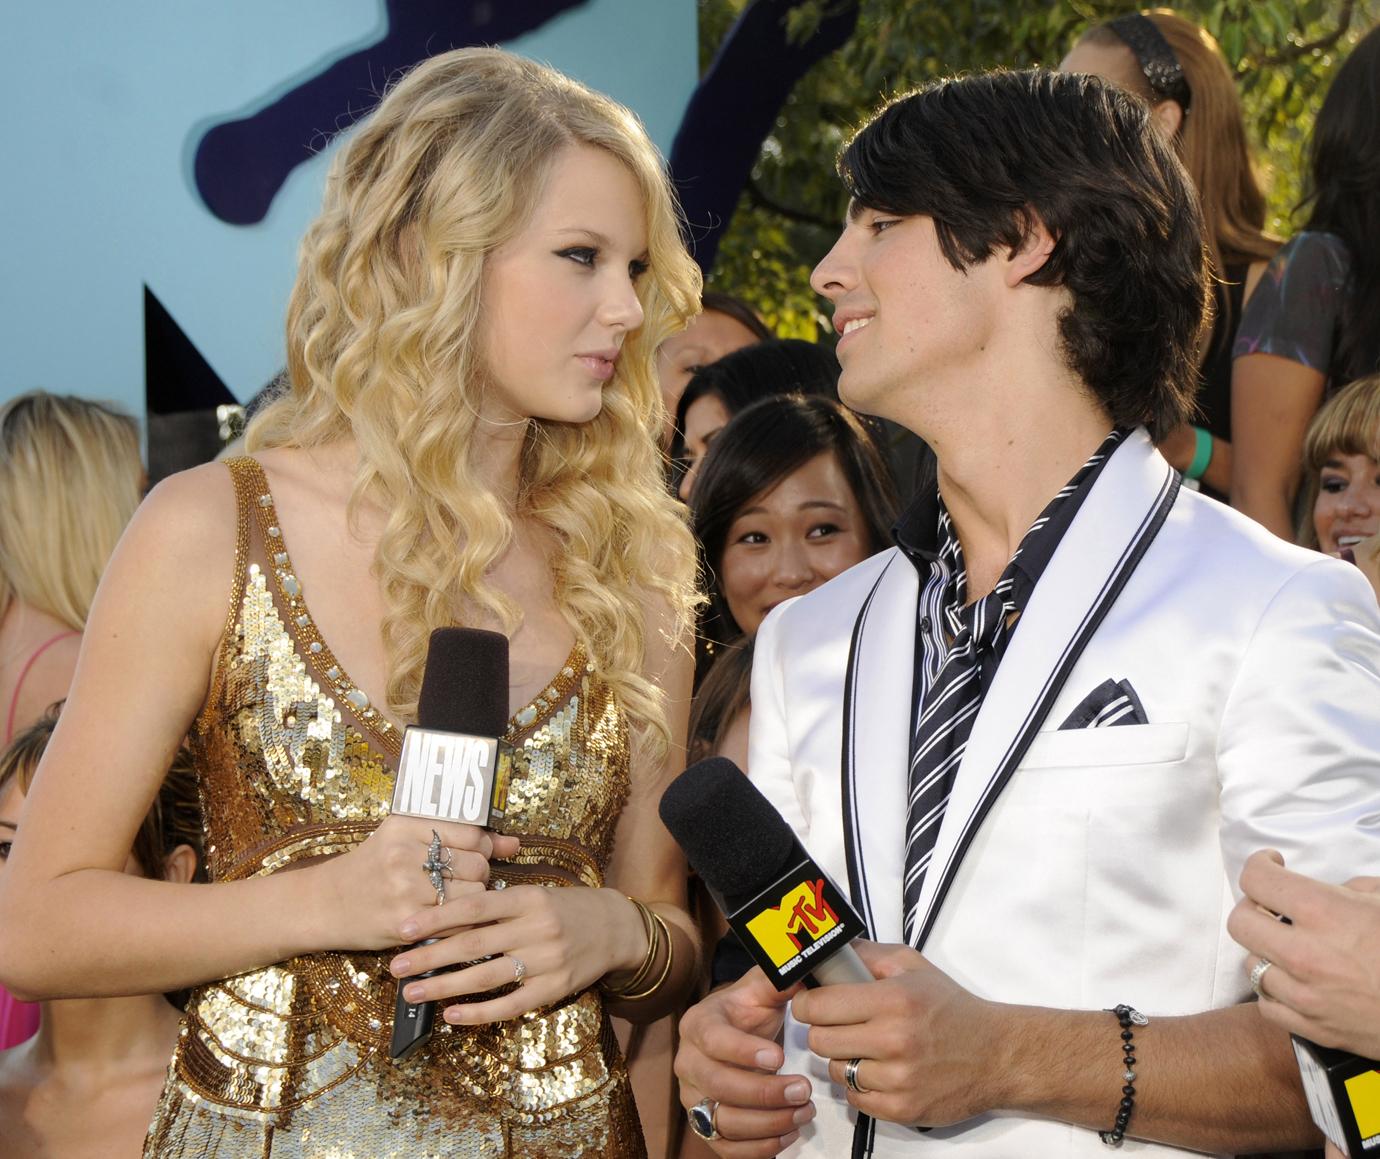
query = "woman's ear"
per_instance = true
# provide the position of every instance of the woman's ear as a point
(180, 865)
(1169, 115)
(1034, 250)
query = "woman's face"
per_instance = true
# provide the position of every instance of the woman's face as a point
(1347, 509)
(707, 339)
(790, 539)
(11, 801)
(704, 418)
(560, 298)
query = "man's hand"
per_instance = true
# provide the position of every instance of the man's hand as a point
(728, 1053)
(930, 1050)
(1324, 978)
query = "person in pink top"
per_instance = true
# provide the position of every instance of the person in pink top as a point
(70, 478)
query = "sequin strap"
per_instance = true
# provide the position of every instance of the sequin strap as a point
(257, 500)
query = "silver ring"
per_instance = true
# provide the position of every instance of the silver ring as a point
(701, 1117)
(850, 1076)
(1258, 976)
(436, 869)
(519, 969)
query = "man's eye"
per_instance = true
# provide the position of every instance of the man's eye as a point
(5, 847)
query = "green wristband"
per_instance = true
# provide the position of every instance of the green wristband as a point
(1202, 454)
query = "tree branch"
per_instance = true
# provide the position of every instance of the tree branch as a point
(762, 200)
(1295, 51)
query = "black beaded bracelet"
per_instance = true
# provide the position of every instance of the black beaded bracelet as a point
(1126, 1016)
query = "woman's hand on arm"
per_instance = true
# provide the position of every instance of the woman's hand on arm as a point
(1273, 401)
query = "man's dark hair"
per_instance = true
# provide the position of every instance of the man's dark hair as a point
(984, 156)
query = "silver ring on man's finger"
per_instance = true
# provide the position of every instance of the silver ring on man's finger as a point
(702, 1116)
(850, 1076)
(1258, 977)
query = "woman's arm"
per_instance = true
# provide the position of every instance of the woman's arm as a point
(75, 924)
(1273, 400)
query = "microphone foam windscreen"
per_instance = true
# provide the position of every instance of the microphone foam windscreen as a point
(732, 836)
(465, 682)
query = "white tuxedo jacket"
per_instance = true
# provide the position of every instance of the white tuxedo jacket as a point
(1080, 869)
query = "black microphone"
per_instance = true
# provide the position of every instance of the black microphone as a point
(793, 920)
(1343, 1093)
(454, 766)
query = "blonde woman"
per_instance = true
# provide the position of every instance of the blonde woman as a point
(70, 478)
(469, 438)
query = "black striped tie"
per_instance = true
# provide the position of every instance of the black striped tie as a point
(946, 722)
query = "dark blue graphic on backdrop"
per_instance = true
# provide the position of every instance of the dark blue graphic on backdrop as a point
(241, 164)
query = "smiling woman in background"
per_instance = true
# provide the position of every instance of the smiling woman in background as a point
(1341, 477)
(793, 492)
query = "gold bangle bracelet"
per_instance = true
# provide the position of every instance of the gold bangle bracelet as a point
(644, 970)
(630, 996)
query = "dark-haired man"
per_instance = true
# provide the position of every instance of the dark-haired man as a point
(1037, 739)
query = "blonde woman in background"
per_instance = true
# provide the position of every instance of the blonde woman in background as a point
(70, 478)
(1178, 68)
(469, 438)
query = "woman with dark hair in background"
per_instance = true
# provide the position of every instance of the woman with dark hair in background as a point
(720, 390)
(723, 325)
(1178, 68)
(793, 492)
(87, 1083)
(1315, 321)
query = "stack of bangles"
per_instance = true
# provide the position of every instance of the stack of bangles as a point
(658, 935)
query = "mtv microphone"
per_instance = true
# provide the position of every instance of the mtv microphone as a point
(453, 767)
(793, 920)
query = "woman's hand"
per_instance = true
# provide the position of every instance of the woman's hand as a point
(1324, 978)
(372, 891)
(564, 938)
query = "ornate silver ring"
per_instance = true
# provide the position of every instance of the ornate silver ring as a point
(1258, 977)
(436, 869)
(519, 969)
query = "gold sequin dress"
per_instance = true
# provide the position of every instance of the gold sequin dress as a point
(292, 1060)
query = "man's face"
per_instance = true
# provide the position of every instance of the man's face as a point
(911, 326)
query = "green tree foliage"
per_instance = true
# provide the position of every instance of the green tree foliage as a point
(1284, 53)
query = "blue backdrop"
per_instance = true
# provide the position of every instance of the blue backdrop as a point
(108, 103)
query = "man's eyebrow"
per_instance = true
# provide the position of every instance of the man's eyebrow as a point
(855, 209)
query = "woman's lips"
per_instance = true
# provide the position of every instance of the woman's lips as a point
(601, 364)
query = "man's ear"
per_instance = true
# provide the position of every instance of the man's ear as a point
(180, 865)
(1033, 252)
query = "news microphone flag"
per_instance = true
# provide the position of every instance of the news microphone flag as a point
(453, 766)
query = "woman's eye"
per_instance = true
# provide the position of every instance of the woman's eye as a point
(581, 254)
(637, 269)
(820, 530)
(752, 537)
(1332, 485)
(5, 847)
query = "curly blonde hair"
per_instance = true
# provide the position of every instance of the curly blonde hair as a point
(383, 347)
